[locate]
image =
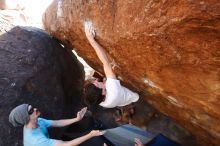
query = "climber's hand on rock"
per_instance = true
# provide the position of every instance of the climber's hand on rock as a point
(89, 30)
(81, 114)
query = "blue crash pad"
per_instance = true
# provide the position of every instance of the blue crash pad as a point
(124, 135)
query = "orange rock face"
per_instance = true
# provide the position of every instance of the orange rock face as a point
(168, 48)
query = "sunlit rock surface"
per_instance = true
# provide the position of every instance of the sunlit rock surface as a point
(168, 48)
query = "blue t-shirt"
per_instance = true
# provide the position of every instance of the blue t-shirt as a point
(38, 136)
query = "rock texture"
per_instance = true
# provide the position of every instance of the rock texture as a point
(35, 69)
(168, 48)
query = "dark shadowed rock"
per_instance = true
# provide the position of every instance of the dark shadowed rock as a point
(36, 69)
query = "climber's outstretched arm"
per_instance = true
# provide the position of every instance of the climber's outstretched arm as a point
(90, 34)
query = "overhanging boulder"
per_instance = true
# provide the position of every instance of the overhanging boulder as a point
(169, 49)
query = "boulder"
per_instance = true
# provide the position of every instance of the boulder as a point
(165, 48)
(36, 69)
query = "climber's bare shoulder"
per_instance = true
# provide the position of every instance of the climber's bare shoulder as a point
(109, 73)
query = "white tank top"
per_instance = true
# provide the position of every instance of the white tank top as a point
(117, 95)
